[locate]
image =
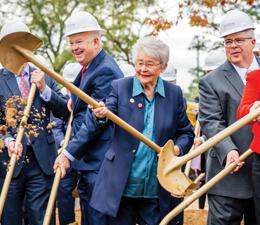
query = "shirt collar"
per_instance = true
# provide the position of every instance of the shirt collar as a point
(242, 71)
(138, 88)
(26, 69)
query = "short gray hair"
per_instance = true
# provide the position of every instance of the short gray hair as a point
(251, 33)
(153, 47)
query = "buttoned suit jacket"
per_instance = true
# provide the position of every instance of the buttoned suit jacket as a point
(97, 84)
(170, 122)
(220, 94)
(44, 144)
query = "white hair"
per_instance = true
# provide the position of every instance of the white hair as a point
(153, 47)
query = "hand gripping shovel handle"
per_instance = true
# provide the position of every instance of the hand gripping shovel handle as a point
(82, 95)
(197, 134)
(11, 165)
(57, 178)
(176, 211)
(213, 140)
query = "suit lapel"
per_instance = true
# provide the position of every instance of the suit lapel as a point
(74, 98)
(89, 74)
(258, 60)
(138, 114)
(160, 105)
(234, 79)
(11, 82)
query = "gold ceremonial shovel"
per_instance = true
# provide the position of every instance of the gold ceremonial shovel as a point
(16, 50)
(20, 39)
(178, 209)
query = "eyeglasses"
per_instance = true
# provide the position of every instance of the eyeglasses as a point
(237, 41)
(149, 65)
(80, 43)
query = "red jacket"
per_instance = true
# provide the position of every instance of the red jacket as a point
(250, 95)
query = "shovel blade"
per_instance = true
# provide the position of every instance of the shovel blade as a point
(9, 58)
(175, 182)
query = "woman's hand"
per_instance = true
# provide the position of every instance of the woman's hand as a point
(101, 111)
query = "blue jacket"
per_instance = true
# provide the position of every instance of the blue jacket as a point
(44, 145)
(170, 122)
(97, 84)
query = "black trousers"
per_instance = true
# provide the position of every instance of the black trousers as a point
(230, 211)
(142, 210)
(256, 185)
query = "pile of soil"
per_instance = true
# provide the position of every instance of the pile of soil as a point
(191, 217)
(195, 217)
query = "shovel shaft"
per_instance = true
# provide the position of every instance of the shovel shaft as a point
(11, 165)
(52, 198)
(83, 96)
(176, 211)
(57, 178)
(214, 140)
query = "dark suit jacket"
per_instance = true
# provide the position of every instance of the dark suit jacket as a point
(250, 95)
(220, 94)
(170, 122)
(44, 145)
(97, 84)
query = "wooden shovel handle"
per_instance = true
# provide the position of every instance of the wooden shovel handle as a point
(214, 140)
(57, 178)
(83, 96)
(11, 165)
(176, 211)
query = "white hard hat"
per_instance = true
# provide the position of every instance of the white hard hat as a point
(235, 21)
(214, 59)
(71, 70)
(13, 27)
(43, 61)
(127, 69)
(170, 73)
(81, 22)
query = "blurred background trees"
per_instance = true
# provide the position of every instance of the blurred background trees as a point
(124, 21)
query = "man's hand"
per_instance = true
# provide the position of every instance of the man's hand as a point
(38, 77)
(233, 156)
(63, 163)
(176, 150)
(69, 105)
(197, 142)
(255, 105)
(11, 149)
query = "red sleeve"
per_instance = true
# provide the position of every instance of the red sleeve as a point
(251, 93)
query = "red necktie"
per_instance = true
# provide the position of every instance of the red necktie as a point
(23, 85)
(84, 68)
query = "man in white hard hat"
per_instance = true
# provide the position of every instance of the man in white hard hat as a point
(99, 70)
(127, 69)
(231, 199)
(170, 73)
(33, 173)
(214, 59)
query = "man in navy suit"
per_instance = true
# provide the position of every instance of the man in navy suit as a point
(127, 189)
(33, 174)
(99, 70)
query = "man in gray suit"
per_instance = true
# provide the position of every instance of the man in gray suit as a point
(220, 93)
